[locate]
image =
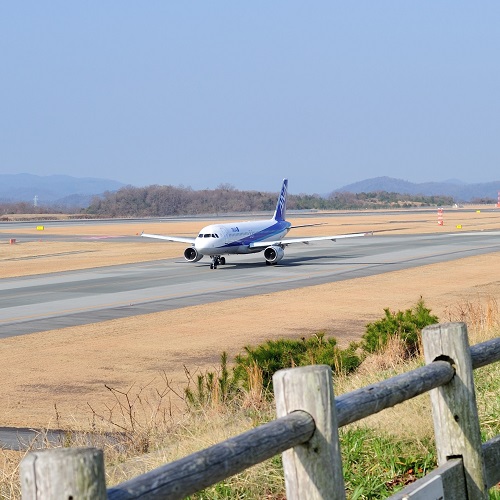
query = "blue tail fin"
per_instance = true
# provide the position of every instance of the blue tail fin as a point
(280, 212)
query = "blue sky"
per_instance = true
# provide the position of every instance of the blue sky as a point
(325, 93)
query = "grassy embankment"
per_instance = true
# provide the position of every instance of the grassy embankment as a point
(381, 454)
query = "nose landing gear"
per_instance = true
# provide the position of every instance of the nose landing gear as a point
(216, 261)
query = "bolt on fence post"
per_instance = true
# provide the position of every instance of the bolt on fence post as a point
(454, 408)
(312, 470)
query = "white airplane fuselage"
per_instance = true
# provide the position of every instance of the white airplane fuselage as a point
(237, 238)
(246, 237)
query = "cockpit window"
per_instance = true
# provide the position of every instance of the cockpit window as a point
(206, 235)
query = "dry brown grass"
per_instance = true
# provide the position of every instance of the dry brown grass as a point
(9, 474)
(70, 367)
(413, 418)
(187, 436)
(480, 313)
(175, 438)
(32, 255)
(39, 257)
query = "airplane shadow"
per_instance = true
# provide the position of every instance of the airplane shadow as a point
(305, 260)
(289, 261)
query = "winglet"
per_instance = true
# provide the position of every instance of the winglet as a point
(280, 212)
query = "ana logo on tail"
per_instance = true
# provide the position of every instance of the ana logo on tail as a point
(280, 212)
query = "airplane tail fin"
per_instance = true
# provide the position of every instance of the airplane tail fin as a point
(280, 212)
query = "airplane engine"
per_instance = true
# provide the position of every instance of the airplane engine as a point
(273, 254)
(192, 255)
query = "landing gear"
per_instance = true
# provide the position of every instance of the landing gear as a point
(217, 260)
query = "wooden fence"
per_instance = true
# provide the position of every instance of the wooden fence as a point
(306, 432)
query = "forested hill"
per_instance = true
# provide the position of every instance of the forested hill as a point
(158, 201)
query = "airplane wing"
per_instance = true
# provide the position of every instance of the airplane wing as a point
(178, 239)
(306, 241)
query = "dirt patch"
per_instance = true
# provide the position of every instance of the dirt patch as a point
(66, 370)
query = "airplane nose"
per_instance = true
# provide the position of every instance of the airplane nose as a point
(202, 244)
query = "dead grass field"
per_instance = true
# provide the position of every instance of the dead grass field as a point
(67, 368)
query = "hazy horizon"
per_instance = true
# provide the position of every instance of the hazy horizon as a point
(326, 94)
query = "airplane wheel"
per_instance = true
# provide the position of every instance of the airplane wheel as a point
(211, 266)
(222, 261)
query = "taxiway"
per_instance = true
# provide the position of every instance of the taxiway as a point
(51, 301)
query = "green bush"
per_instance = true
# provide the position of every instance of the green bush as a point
(275, 355)
(406, 325)
(210, 388)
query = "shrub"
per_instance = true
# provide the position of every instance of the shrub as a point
(275, 355)
(406, 325)
(210, 388)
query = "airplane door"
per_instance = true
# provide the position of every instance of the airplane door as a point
(223, 234)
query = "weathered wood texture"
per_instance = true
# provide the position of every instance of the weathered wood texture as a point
(454, 408)
(312, 470)
(491, 454)
(204, 468)
(373, 398)
(63, 473)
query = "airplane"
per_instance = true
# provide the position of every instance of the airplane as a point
(217, 240)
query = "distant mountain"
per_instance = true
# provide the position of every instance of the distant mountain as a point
(460, 191)
(53, 189)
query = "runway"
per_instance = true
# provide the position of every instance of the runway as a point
(51, 301)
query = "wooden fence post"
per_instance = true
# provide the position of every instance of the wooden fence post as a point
(63, 473)
(312, 470)
(454, 409)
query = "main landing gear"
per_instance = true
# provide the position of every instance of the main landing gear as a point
(217, 260)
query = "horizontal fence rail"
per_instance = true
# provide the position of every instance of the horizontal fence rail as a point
(491, 455)
(373, 398)
(306, 437)
(211, 465)
(485, 353)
